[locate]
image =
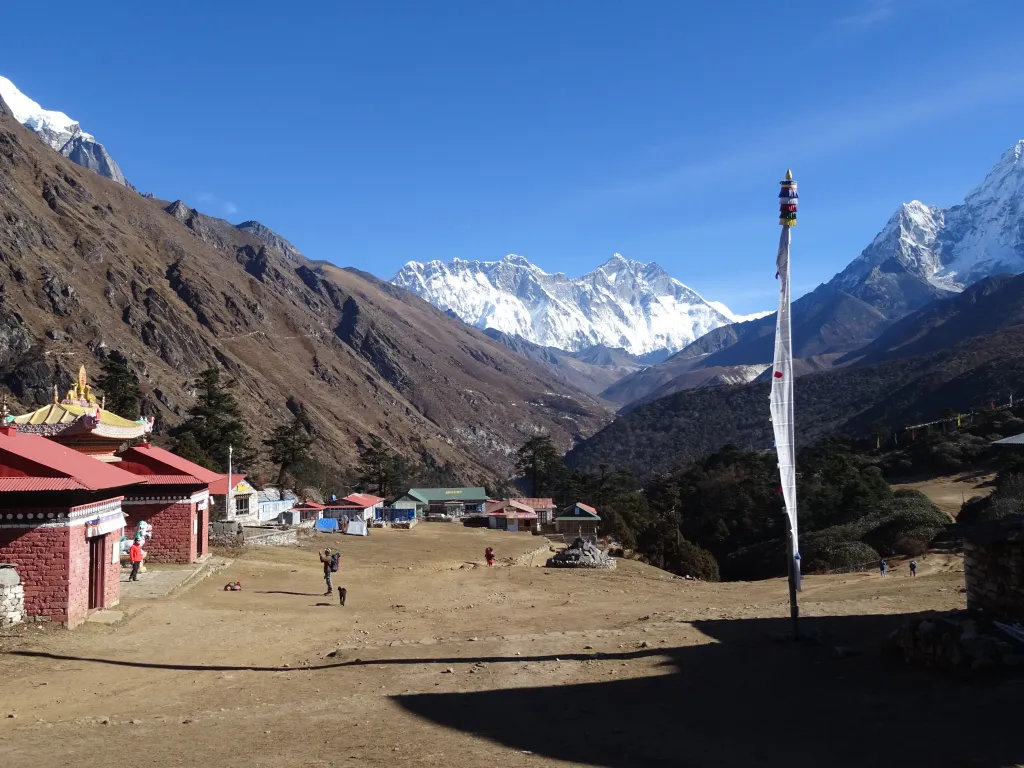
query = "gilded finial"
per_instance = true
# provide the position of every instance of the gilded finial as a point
(789, 175)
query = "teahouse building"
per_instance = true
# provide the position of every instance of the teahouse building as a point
(175, 500)
(452, 502)
(545, 508)
(511, 515)
(244, 506)
(578, 520)
(60, 525)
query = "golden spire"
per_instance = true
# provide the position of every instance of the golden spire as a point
(789, 175)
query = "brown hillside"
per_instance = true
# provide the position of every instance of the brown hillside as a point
(86, 264)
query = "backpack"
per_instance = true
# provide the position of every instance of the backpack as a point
(334, 562)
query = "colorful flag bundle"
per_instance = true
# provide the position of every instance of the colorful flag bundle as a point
(788, 201)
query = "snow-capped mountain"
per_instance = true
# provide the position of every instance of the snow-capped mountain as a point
(926, 252)
(61, 133)
(638, 307)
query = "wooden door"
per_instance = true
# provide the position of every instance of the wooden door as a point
(97, 571)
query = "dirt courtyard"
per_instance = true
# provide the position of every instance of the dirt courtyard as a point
(439, 661)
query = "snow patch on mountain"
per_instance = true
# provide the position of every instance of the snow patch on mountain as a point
(623, 303)
(56, 128)
(61, 133)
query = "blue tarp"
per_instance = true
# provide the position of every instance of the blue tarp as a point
(327, 525)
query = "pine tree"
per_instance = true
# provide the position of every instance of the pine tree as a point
(289, 444)
(540, 463)
(213, 425)
(380, 470)
(120, 386)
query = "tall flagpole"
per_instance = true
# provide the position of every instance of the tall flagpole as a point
(229, 513)
(782, 394)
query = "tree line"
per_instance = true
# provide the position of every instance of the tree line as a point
(215, 426)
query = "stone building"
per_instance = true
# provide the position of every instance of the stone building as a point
(175, 500)
(244, 506)
(60, 526)
(994, 566)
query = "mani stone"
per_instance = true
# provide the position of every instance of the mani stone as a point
(581, 554)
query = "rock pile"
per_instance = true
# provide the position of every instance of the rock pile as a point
(581, 554)
(12, 598)
(957, 643)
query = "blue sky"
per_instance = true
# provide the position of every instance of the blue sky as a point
(374, 133)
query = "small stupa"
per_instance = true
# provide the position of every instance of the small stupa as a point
(581, 554)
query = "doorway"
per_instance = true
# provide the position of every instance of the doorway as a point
(97, 571)
(200, 531)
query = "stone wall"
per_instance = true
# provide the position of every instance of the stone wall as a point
(12, 597)
(994, 575)
(175, 530)
(272, 538)
(41, 556)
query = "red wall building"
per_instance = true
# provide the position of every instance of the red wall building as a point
(175, 500)
(60, 526)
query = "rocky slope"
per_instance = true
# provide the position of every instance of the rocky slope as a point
(87, 265)
(61, 133)
(591, 370)
(621, 304)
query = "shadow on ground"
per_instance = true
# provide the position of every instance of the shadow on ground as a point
(753, 700)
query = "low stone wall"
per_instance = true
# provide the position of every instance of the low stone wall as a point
(957, 643)
(994, 576)
(12, 597)
(272, 538)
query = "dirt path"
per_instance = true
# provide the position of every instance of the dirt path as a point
(949, 493)
(438, 660)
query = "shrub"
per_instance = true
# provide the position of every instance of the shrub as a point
(911, 547)
(697, 562)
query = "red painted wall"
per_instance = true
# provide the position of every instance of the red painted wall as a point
(174, 530)
(42, 559)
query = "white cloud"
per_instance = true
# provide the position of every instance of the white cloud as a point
(845, 126)
(224, 207)
(872, 12)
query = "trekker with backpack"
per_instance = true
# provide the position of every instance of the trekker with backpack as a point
(330, 562)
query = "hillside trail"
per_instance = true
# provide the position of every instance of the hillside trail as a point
(949, 492)
(438, 660)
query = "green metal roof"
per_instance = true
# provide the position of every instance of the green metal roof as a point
(428, 495)
(578, 512)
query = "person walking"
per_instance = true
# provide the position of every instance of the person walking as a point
(326, 559)
(136, 555)
(913, 568)
(489, 556)
(882, 566)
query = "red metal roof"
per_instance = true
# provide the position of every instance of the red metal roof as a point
(363, 500)
(534, 503)
(33, 463)
(219, 486)
(309, 505)
(160, 467)
(587, 507)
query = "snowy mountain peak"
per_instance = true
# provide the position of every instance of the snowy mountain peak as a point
(623, 303)
(61, 133)
(924, 252)
(46, 122)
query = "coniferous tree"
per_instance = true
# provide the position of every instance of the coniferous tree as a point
(120, 386)
(541, 464)
(213, 425)
(380, 470)
(289, 445)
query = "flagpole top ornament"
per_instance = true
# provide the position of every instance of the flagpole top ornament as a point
(789, 175)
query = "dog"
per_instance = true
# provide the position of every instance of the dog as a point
(342, 594)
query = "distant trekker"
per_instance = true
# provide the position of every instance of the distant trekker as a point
(913, 567)
(882, 568)
(330, 563)
(136, 554)
(489, 556)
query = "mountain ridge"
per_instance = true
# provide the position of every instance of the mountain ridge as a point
(620, 304)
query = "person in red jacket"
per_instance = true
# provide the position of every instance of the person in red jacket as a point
(136, 554)
(489, 556)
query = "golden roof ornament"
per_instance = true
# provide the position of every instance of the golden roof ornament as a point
(81, 393)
